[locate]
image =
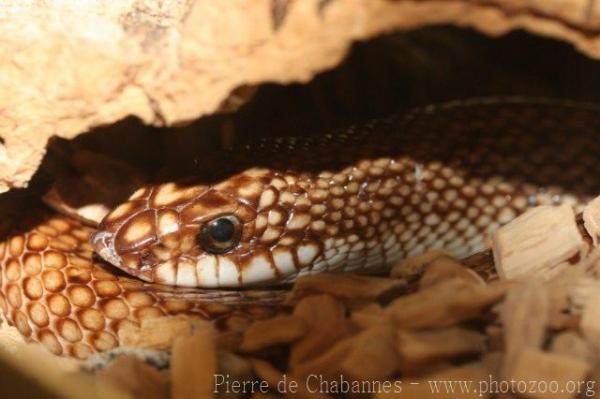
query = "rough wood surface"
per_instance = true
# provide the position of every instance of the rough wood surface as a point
(193, 365)
(525, 319)
(69, 66)
(544, 238)
(591, 219)
(535, 365)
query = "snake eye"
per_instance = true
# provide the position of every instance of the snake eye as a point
(220, 234)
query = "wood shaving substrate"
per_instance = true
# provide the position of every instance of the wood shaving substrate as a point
(523, 324)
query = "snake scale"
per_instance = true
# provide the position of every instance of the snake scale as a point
(356, 200)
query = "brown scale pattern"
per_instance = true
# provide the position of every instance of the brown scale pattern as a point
(53, 292)
(438, 177)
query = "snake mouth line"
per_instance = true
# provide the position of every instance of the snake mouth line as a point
(104, 244)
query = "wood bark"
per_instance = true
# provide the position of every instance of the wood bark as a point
(67, 67)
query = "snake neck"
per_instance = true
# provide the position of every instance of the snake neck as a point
(384, 209)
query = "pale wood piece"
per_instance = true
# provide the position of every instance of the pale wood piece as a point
(525, 317)
(591, 219)
(572, 344)
(536, 365)
(271, 332)
(136, 377)
(326, 321)
(444, 268)
(348, 287)
(369, 355)
(445, 304)
(590, 320)
(158, 332)
(194, 365)
(420, 349)
(415, 265)
(542, 241)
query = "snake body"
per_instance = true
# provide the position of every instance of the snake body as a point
(364, 198)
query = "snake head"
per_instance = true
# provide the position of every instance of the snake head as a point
(191, 235)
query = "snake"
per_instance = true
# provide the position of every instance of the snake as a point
(355, 200)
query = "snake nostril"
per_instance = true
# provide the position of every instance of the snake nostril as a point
(147, 260)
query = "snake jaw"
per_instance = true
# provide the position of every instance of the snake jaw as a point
(103, 243)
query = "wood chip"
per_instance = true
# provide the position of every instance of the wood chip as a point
(560, 288)
(566, 321)
(194, 365)
(445, 267)
(482, 263)
(270, 332)
(370, 355)
(369, 315)
(236, 366)
(542, 241)
(493, 361)
(418, 349)
(344, 286)
(136, 377)
(325, 318)
(231, 331)
(232, 367)
(591, 219)
(584, 290)
(572, 344)
(422, 388)
(229, 340)
(280, 383)
(415, 265)
(266, 372)
(525, 315)
(590, 320)
(445, 304)
(495, 338)
(564, 371)
(237, 323)
(157, 332)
